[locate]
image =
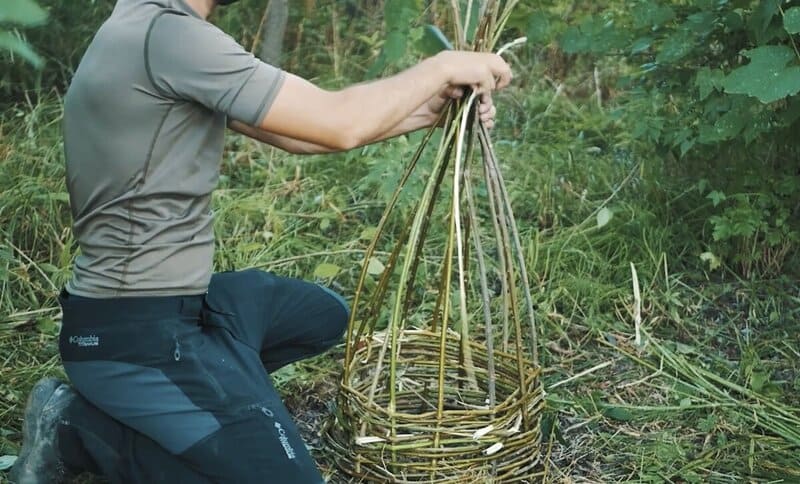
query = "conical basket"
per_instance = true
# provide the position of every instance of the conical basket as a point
(421, 399)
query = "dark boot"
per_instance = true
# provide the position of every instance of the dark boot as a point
(39, 461)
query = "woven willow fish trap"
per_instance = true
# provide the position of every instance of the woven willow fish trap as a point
(421, 399)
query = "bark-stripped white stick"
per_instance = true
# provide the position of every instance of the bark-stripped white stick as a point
(511, 44)
(482, 432)
(459, 242)
(494, 449)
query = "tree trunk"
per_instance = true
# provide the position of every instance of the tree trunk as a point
(273, 30)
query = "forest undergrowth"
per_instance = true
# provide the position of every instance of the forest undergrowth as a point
(661, 362)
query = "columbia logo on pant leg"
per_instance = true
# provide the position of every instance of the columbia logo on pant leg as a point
(287, 447)
(83, 341)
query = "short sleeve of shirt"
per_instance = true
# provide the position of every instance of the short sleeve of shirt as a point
(190, 59)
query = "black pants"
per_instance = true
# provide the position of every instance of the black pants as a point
(177, 389)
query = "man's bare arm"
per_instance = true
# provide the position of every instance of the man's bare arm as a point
(341, 120)
(415, 121)
(424, 117)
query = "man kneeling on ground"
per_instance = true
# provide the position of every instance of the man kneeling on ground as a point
(168, 363)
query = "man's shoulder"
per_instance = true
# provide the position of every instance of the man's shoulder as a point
(177, 37)
(183, 30)
(135, 20)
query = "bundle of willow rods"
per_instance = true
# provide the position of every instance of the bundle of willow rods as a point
(430, 404)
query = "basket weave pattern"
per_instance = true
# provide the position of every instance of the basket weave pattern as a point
(468, 429)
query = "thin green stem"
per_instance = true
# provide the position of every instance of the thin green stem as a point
(517, 240)
(373, 245)
(486, 300)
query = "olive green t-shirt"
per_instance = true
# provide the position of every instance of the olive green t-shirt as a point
(144, 121)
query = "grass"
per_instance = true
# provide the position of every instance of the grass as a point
(713, 394)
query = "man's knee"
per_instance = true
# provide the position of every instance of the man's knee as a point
(336, 324)
(259, 444)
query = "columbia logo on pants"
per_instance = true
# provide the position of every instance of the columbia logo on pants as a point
(285, 441)
(83, 341)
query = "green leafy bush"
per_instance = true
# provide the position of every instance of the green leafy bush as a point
(19, 13)
(713, 84)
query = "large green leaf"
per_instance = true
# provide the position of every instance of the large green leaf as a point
(399, 17)
(645, 14)
(574, 42)
(768, 76)
(791, 20)
(761, 20)
(433, 41)
(675, 47)
(707, 80)
(398, 14)
(594, 35)
(701, 23)
(22, 12)
(395, 46)
(9, 41)
(539, 28)
(641, 44)
(726, 127)
(732, 21)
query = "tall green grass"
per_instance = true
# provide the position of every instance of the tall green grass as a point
(712, 396)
